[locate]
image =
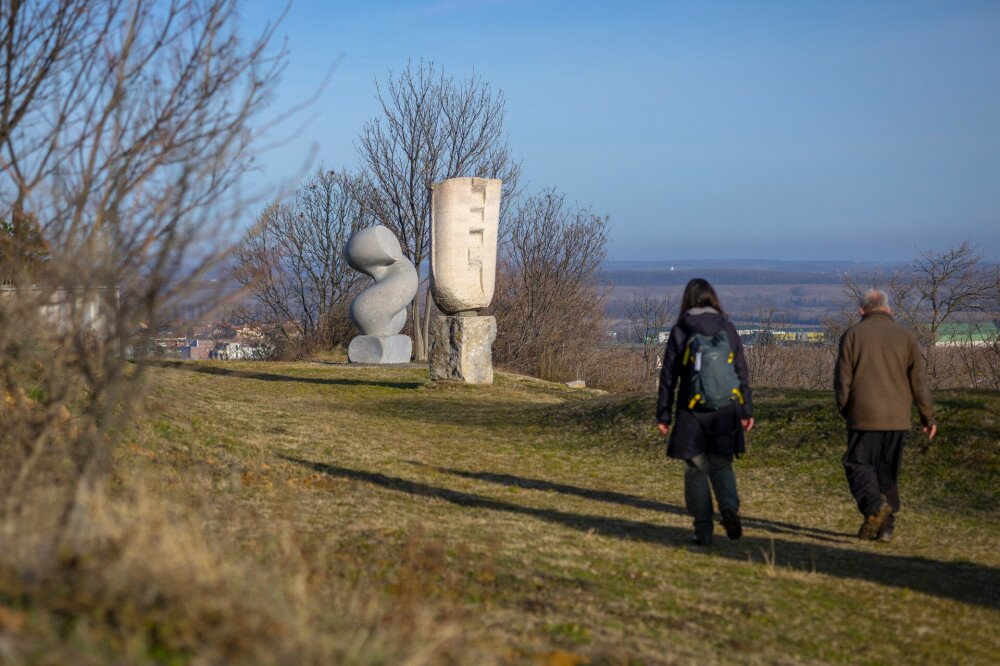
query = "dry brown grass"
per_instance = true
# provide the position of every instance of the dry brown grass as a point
(137, 580)
(308, 512)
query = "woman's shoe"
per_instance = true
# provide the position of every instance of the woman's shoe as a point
(702, 539)
(731, 521)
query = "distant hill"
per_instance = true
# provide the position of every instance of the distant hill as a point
(732, 271)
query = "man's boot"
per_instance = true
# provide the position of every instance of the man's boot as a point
(873, 522)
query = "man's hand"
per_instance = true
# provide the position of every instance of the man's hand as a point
(664, 428)
(747, 424)
(931, 431)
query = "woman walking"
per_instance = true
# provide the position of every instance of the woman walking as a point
(704, 355)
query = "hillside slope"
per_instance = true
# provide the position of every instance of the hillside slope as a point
(539, 522)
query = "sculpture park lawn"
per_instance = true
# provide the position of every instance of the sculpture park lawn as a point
(545, 522)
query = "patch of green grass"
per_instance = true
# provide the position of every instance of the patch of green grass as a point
(164, 429)
(570, 632)
(37, 394)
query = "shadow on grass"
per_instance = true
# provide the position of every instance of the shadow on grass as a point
(490, 412)
(638, 502)
(269, 377)
(965, 582)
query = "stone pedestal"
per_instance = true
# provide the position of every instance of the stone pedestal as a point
(380, 349)
(462, 349)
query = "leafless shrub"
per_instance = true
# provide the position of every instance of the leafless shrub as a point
(762, 352)
(124, 126)
(973, 362)
(292, 264)
(432, 127)
(647, 316)
(810, 366)
(991, 347)
(794, 365)
(123, 129)
(549, 307)
(791, 364)
(970, 357)
(618, 370)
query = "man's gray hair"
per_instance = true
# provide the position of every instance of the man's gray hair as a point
(874, 299)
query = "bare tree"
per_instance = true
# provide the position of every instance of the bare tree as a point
(549, 307)
(432, 127)
(647, 317)
(292, 261)
(989, 358)
(123, 128)
(763, 353)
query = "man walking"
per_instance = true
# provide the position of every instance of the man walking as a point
(879, 374)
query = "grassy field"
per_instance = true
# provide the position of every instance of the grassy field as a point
(531, 523)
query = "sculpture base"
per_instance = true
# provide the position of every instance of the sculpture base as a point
(461, 349)
(380, 349)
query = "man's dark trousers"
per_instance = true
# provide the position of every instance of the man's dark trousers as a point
(872, 465)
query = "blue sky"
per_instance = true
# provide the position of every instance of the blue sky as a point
(789, 130)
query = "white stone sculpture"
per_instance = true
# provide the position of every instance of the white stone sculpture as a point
(465, 218)
(380, 311)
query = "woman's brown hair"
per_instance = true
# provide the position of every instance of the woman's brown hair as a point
(699, 294)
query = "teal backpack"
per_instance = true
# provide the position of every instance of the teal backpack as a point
(714, 383)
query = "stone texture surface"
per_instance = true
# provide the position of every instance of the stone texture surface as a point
(380, 349)
(465, 217)
(381, 309)
(577, 383)
(462, 349)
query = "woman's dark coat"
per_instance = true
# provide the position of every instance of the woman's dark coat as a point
(697, 432)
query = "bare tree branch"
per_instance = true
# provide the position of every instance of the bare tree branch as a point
(124, 127)
(292, 261)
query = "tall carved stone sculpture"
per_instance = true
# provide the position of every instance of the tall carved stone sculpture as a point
(465, 218)
(380, 311)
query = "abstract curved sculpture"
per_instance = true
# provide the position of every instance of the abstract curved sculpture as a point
(379, 311)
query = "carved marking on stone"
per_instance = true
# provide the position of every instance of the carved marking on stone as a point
(478, 186)
(476, 248)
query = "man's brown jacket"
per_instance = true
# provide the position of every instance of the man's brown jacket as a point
(879, 374)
